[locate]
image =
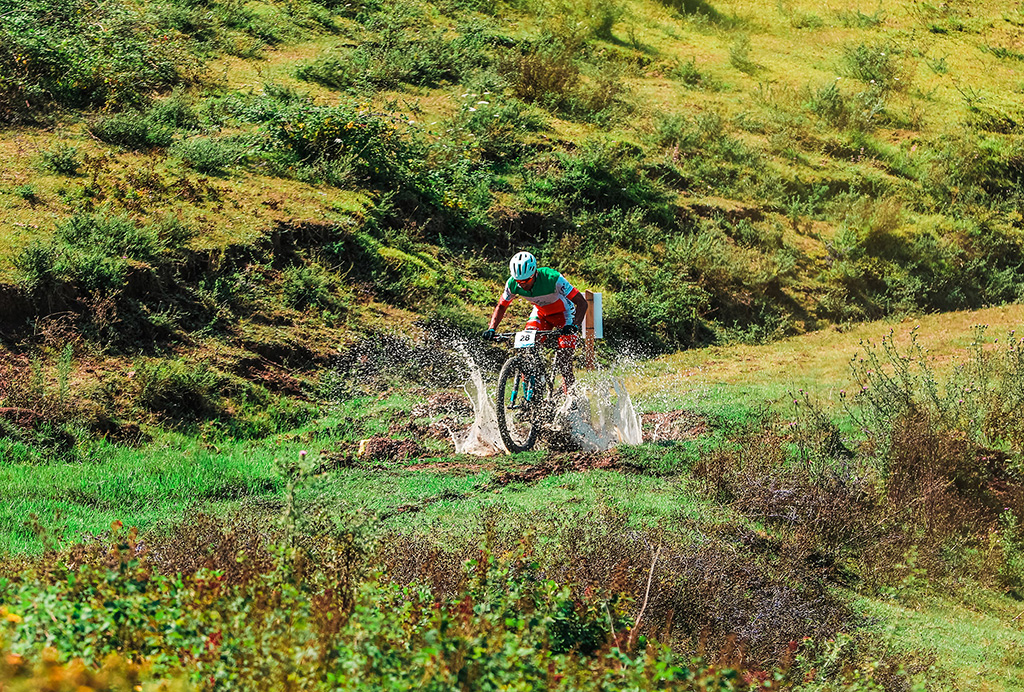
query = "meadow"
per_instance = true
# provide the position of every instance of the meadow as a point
(239, 240)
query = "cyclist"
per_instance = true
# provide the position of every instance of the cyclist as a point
(556, 305)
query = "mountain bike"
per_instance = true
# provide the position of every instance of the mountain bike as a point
(526, 398)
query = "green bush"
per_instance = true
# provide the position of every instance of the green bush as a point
(396, 55)
(206, 155)
(174, 111)
(305, 286)
(74, 54)
(63, 159)
(504, 624)
(876, 64)
(133, 130)
(178, 389)
(374, 142)
(687, 73)
(91, 253)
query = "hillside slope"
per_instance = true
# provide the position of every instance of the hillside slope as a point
(213, 192)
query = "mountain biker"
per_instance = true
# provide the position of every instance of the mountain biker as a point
(556, 305)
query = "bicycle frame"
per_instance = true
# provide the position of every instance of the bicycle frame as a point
(525, 408)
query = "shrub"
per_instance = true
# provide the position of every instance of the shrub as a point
(90, 254)
(73, 54)
(374, 142)
(306, 286)
(178, 389)
(133, 130)
(27, 192)
(877, 64)
(175, 111)
(739, 55)
(394, 55)
(545, 75)
(686, 72)
(63, 159)
(207, 156)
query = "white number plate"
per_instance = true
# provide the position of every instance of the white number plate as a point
(525, 339)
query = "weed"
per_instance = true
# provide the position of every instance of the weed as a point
(180, 390)
(305, 286)
(686, 72)
(739, 55)
(27, 192)
(938, 65)
(174, 111)
(855, 19)
(876, 64)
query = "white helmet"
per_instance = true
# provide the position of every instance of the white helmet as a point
(522, 266)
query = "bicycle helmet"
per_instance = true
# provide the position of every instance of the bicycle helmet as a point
(522, 266)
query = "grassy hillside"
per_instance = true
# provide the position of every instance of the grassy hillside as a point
(277, 174)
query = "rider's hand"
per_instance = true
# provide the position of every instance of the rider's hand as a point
(571, 329)
(487, 335)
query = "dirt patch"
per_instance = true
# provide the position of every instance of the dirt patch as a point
(674, 425)
(435, 430)
(561, 463)
(269, 376)
(380, 448)
(451, 468)
(444, 404)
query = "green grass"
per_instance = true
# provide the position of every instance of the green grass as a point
(144, 488)
(981, 645)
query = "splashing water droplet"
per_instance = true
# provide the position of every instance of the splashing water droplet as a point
(482, 439)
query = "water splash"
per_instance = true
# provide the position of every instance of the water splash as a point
(483, 438)
(600, 416)
(597, 416)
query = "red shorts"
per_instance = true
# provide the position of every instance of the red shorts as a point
(555, 321)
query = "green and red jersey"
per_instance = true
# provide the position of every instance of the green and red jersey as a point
(550, 294)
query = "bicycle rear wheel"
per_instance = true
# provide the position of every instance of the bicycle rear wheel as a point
(518, 403)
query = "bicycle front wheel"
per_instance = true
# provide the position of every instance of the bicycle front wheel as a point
(521, 392)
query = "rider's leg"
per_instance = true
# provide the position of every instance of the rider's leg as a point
(563, 361)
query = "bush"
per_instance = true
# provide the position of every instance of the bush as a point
(306, 286)
(175, 111)
(373, 141)
(133, 130)
(179, 390)
(876, 64)
(62, 159)
(687, 73)
(467, 619)
(90, 254)
(395, 55)
(73, 54)
(207, 156)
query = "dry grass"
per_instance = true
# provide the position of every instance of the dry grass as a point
(817, 362)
